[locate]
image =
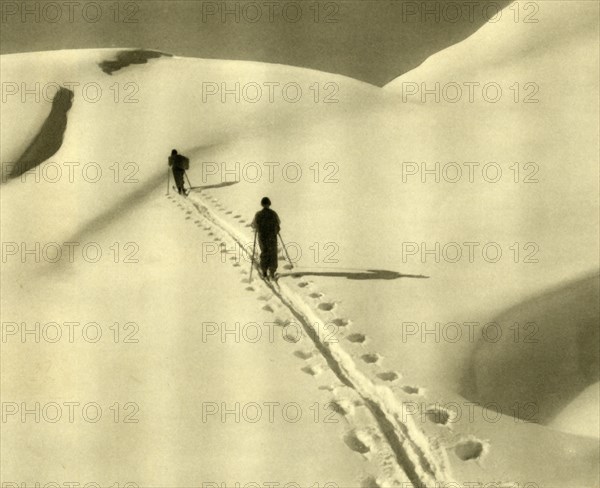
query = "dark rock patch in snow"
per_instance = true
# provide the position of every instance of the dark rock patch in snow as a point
(50, 137)
(126, 58)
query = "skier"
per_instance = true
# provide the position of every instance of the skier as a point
(266, 223)
(179, 163)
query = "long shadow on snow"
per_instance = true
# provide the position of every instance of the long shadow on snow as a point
(369, 274)
(127, 204)
(218, 185)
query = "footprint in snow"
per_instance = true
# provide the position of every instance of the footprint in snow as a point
(303, 354)
(340, 322)
(291, 334)
(411, 390)
(357, 338)
(438, 415)
(470, 448)
(340, 407)
(369, 482)
(315, 295)
(281, 322)
(388, 376)
(303, 284)
(327, 306)
(353, 442)
(370, 358)
(312, 370)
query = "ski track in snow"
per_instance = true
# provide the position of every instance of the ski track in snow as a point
(423, 460)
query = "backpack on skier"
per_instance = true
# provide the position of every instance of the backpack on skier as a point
(183, 162)
(179, 161)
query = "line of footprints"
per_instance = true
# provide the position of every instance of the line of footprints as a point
(336, 324)
(365, 441)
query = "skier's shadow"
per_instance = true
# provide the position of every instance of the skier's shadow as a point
(218, 185)
(369, 274)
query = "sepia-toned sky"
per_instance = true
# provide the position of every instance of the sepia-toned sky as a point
(370, 40)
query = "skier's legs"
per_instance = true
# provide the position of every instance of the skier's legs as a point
(175, 178)
(264, 255)
(272, 255)
(268, 253)
(178, 176)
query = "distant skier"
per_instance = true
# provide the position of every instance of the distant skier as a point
(179, 163)
(266, 223)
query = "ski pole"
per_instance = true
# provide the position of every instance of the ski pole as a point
(168, 179)
(252, 257)
(188, 180)
(285, 249)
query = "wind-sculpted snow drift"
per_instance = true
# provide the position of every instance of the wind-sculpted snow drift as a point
(397, 392)
(551, 372)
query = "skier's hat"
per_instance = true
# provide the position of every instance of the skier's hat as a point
(265, 202)
(173, 152)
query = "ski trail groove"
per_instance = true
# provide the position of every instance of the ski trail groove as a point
(424, 462)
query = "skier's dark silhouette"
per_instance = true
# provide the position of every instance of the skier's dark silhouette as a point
(266, 223)
(179, 163)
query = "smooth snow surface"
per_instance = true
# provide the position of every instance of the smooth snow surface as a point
(407, 405)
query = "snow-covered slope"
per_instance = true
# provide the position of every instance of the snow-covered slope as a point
(396, 386)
